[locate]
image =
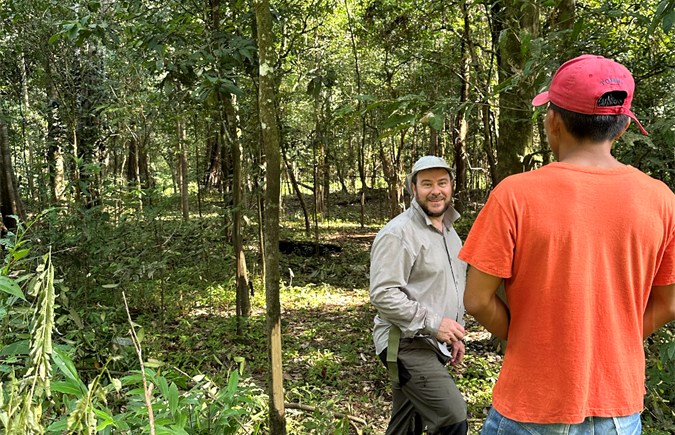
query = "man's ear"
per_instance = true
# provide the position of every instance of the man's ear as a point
(624, 129)
(414, 189)
(553, 123)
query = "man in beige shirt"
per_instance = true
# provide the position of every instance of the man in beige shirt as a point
(417, 285)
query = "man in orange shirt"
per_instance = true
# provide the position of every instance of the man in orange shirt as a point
(586, 249)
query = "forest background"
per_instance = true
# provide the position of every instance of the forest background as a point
(189, 190)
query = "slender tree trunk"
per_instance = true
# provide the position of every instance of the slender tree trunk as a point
(212, 174)
(433, 142)
(133, 172)
(10, 200)
(487, 145)
(392, 181)
(28, 118)
(243, 300)
(462, 127)
(182, 168)
(296, 189)
(270, 136)
(260, 206)
(362, 146)
(145, 179)
(54, 152)
(326, 185)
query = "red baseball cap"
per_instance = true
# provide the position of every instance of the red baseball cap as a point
(580, 82)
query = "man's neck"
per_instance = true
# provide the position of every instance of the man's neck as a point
(437, 221)
(591, 154)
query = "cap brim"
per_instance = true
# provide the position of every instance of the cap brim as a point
(541, 99)
(634, 118)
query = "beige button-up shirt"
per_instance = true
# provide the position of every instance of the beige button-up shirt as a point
(416, 278)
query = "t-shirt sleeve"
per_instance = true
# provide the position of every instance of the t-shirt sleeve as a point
(491, 241)
(666, 273)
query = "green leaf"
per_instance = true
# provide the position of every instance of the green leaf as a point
(395, 120)
(163, 386)
(179, 430)
(502, 37)
(54, 38)
(59, 426)
(228, 87)
(173, 398)
(76, 318)
(668, 21)
(671, 350)
(578, 27)
(18, 348)
(163, 430)
(436, 121)
(68, 387)
(8, 285)
(18, 255)
(233, 382)
(66, 366)
(103, 415)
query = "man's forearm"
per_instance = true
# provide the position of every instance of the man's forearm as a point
(494, 316)
(660, 309)
(482, 302)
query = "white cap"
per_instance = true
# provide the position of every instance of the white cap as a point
(427, 162)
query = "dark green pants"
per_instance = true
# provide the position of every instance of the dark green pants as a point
(426, 396)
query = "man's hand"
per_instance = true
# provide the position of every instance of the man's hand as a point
(457, 353)
(450, 331)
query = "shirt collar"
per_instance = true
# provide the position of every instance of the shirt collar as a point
(451, 215)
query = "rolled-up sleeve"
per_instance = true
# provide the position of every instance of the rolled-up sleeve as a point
(391, 263)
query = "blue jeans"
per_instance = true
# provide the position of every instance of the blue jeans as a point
(497, 424)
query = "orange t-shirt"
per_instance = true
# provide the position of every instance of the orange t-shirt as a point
(580, 249)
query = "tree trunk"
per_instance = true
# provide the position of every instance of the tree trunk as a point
(326, 185)
(10, 200)
(461, 126)
(362, 146)
(270, 139)
(260, 206)
(318, 157)
(566, 15)
(243, 300)
(296, 189)
(487, 145)
(212, 174)
(515, 108)
(182, 169)
(433, 142)
(485, 90)
(389, 170)
(133, 175)
(54, 153)
(28, 119)
(133, 172)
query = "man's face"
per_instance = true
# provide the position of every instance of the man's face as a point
(433, 191)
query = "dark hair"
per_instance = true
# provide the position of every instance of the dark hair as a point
(413, 180)
(598, 128)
